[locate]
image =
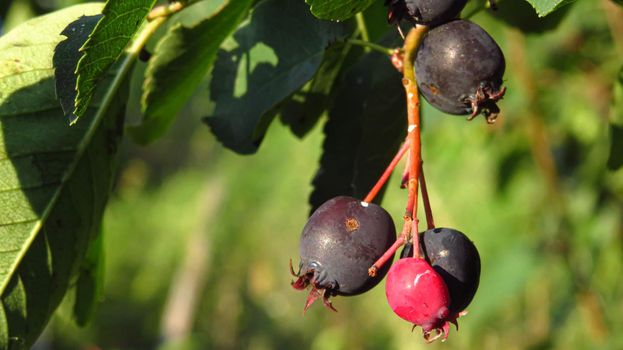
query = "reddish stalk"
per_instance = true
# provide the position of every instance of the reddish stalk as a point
(412, 41)
(427, 208)
(390, 168)
(410, 228)
(405, 173)
(402, 239)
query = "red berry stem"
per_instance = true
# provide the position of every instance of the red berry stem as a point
(389, 254)
(427, 208)
(405, 173)
(387, 173)
(411, 44)
(413, 143)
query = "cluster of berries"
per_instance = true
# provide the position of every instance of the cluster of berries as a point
(348, 245)
(345, 236)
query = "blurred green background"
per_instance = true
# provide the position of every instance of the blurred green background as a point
(198, 239)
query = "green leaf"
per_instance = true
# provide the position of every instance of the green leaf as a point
(181, 61)
(272, 55)
(545, 7)
(90, 282)
(364, 131)
(54, 179)
(337, 10)
(304, 108)
(122, 18)
(615, 160)
(521, 15)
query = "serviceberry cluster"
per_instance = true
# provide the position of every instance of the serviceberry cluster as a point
(348, 245)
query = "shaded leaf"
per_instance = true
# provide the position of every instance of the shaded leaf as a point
(55, 179)
(181, 61)
(65, 76)
(545, 7)
(4, 9)
(304, 108)
(272, 55)
(122, 18)
(90, 282)
(365, 128)
(337, 10)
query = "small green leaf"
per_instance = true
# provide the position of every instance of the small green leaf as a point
(122, 18)
(272, 55)
(615, 161)
(545, 7)
(337, 10)
(54, 179)
(181, 61)
(365, 129)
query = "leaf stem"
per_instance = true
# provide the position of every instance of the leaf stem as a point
(370, 45)
(361, 25)
(165, 10)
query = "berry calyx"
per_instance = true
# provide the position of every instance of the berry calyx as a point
(341, 239)
(459, 70)
(418, 294)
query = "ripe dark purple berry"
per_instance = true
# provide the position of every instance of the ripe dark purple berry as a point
(459, 70)
(456, 259)
(427, 12)
(340, 241)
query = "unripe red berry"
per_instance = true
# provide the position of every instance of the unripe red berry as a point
(418, 294)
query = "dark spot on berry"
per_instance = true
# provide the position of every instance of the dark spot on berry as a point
(351, 224)
(433, 89)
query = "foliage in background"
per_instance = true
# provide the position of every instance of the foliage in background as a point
(196, 239)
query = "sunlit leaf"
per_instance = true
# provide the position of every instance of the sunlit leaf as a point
(545, 7)
(55, 179)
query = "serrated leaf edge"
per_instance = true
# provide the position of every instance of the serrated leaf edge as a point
(80, 106)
